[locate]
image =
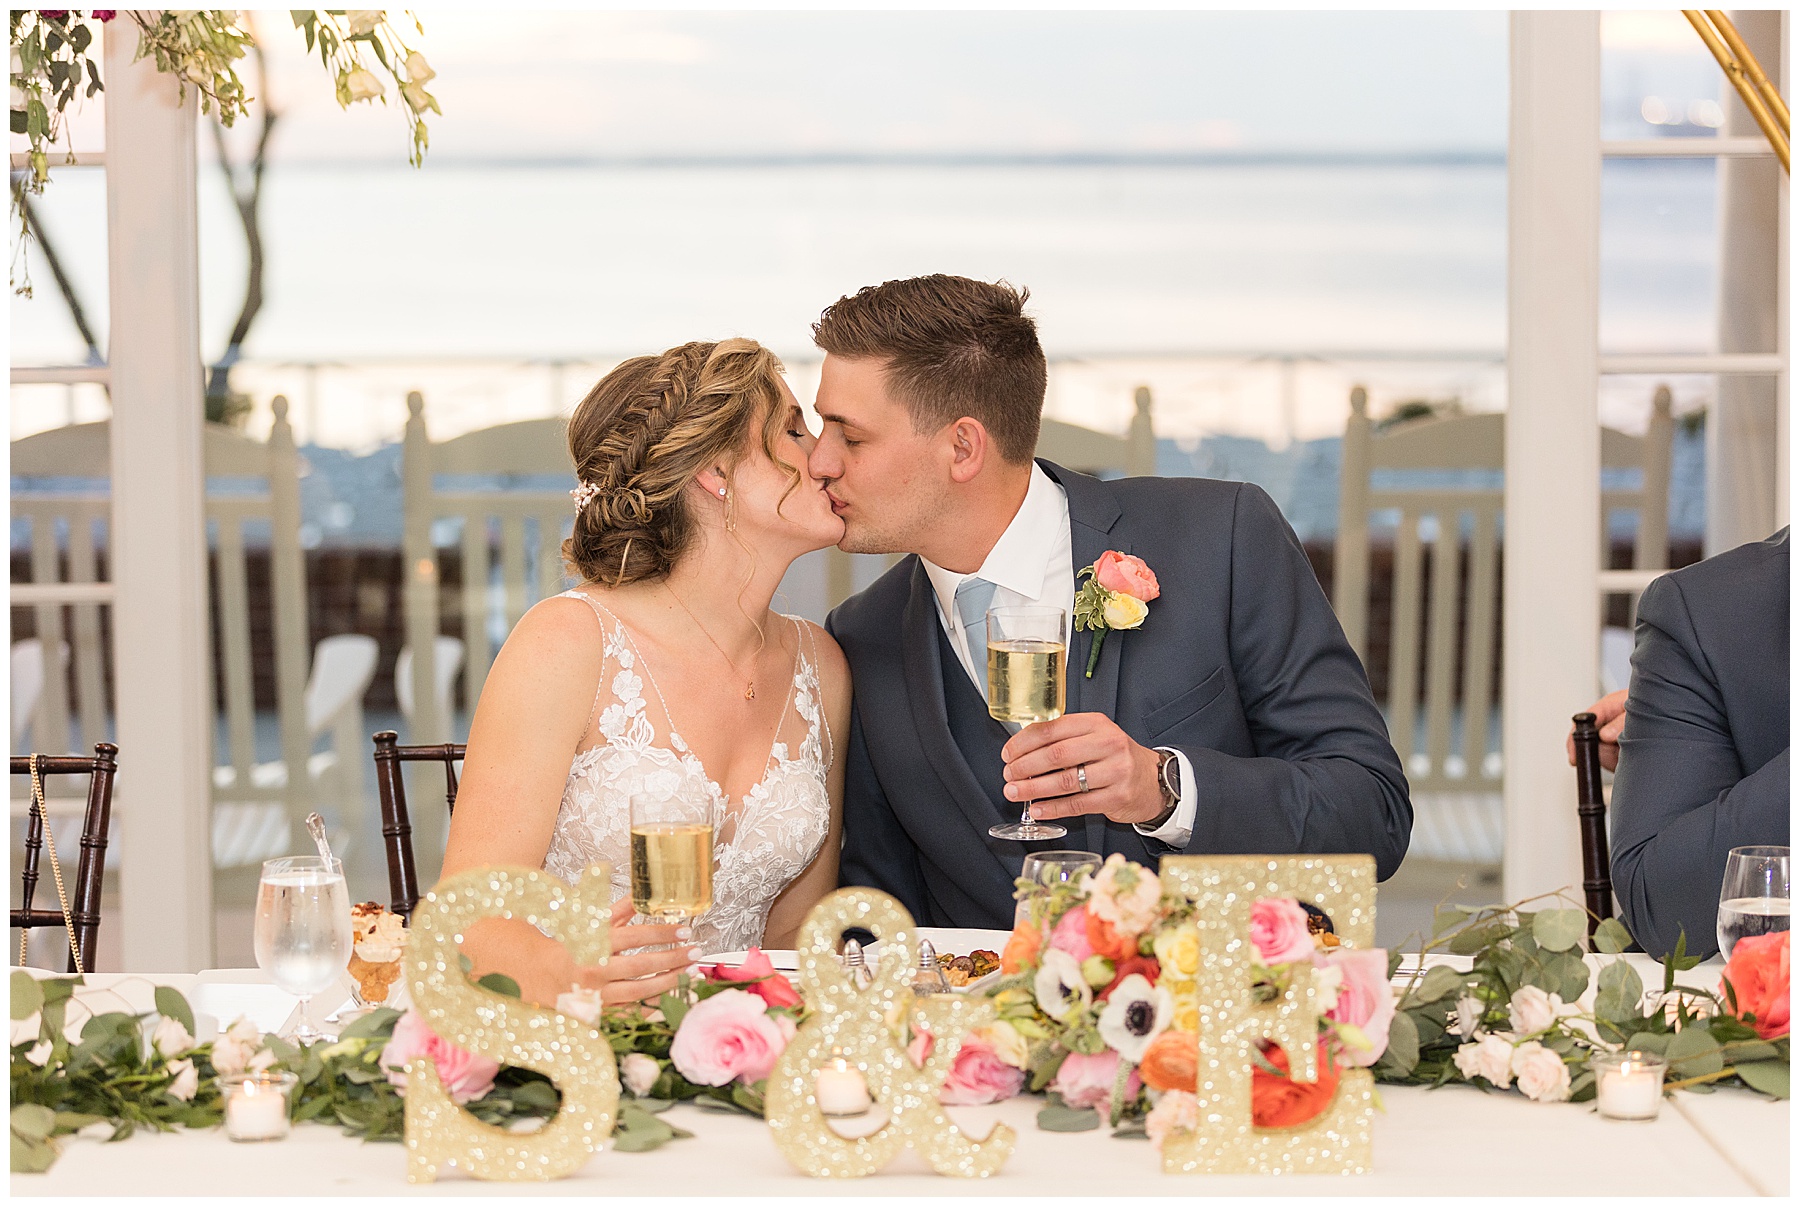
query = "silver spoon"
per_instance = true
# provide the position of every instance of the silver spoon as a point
(315, 825)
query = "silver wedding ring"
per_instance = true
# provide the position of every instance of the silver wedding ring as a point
(1081, 775)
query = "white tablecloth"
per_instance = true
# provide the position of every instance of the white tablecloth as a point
(1454, 1140)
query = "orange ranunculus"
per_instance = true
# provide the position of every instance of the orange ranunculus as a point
(1280, 1101)
(1171, 1062)
(1106, 939)
(1758, 972)
(1022, 949)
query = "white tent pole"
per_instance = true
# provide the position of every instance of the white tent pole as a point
(157, 539)
(1551, 606)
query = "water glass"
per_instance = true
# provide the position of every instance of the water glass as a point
(671, 856)
(1027, 682)
(1754, 896)
(303, 936)
(1054, 867)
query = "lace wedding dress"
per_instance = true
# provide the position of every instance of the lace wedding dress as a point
(762, 841)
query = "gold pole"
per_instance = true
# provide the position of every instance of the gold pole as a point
(1751, 97)
(1752, 68)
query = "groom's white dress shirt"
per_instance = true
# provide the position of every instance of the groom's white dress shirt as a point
(1031, 564)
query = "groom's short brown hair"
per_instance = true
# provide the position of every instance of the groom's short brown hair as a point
(953, 347)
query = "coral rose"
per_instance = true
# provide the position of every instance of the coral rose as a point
(1172, 1061)
(1109, 941)
(1127, 575)
(1277, 1100)
(764, 981)
(1022, 949)
(729, 1036)
(464, 1075)
(1142, 966)
(1278, 930)
(1758, 976)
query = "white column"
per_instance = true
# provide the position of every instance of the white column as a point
(1744, 470)
(1552, 435)
(158, 535)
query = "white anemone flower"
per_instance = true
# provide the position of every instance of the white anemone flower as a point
(1135, 1014)
(1061, 989)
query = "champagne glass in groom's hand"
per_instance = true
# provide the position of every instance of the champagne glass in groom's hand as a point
(1027, 649)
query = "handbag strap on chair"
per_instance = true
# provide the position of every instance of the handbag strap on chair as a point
(62, 894)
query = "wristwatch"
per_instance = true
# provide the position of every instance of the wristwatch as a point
(1168, 776)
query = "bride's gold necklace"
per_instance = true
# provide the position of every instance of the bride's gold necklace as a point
(749, 681)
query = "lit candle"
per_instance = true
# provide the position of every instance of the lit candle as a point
(256, 1107)
(841, 1090)
(1629, 1085)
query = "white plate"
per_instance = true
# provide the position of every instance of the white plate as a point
(945, 940)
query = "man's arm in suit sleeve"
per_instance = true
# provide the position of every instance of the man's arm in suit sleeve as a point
(1681, 801)
(1325, 778)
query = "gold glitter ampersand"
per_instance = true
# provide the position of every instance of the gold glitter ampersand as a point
(573, 1054)
(1222, 889)
(857, 1023)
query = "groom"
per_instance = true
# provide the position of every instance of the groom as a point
(1236, 719)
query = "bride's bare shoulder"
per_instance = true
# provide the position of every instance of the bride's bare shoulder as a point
(562, 627)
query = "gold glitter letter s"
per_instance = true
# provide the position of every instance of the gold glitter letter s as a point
(1222, 888)
(573, 1054)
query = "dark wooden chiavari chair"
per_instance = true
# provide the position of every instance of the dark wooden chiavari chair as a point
(80, 913)
(396, 822)
(1590, 811)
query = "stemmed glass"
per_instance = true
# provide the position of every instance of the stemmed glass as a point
(1054, 867)
(1027, 649)
(303, 930)
(1753, 898)
(671, 856)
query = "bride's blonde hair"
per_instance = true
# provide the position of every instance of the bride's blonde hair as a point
(641, 435)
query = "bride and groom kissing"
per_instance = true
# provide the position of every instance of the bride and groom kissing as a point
(1234, 719)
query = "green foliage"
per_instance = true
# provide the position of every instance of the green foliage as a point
(1058, 1116)
(1559, 929)
(1611, 937)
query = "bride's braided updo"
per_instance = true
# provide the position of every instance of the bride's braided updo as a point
(641, 435)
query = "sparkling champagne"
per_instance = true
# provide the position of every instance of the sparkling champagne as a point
(671, 869)
(1025, 680)
(1745, 917)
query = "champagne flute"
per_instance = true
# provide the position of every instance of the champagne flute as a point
(1026, 651)
(671, 857)
(302, 934)
(1753, 898)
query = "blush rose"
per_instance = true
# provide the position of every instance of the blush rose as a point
(1127, 575)
(729, 1036)
(762, 979)
(464, 1075)
(1278, 930)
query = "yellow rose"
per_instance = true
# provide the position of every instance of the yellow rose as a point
(1124, 612)
(1009, 1046)
(1178, 952)
(1187, 1011)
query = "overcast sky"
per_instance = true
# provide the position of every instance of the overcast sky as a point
(603, 84)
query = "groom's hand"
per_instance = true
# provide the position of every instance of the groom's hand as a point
(1043, 762)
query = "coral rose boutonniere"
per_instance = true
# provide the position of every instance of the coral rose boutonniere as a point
(1116, 596)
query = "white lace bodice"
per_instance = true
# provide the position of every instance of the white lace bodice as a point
(763, 840)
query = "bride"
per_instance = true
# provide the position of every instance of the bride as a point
(667, 671)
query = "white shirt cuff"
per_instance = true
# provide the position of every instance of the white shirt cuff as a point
(1180, 826)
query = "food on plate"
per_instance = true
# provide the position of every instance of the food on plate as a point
(961, 970)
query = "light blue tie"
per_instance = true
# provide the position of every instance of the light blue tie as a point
(973, 595)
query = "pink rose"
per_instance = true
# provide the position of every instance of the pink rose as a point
(1127, 575)
(769, 985)
(1070, 934)
(1087, 1081)
(465, 1075)
(978, 1076)
(1278, 930)
(728, 1036)
(1365, 1000)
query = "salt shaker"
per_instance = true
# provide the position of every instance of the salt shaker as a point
(929, 978)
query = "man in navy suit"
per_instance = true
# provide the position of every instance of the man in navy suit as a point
(1235, 719)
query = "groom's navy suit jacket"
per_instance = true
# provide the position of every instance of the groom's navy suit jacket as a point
(1241, 664)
